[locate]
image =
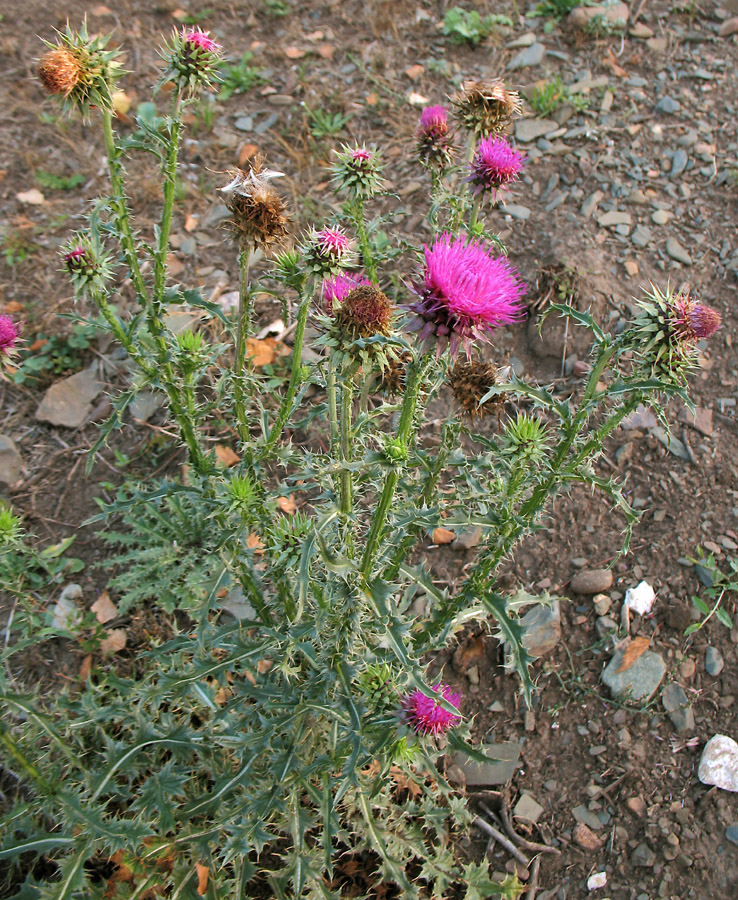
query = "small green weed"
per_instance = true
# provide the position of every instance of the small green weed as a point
(204, 113)
(717, 585)
(557, 9)
(15, 246)
(550, 96)
(239, 77)
(461, 25)
(325, 124)
(195, 18)
(56, 354)
(277, 8)
(600, 26)
(51, 182)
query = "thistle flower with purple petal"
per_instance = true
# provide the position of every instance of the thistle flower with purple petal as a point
(85, 262)
(425, 715)
(328, 251)
(338, 286)
(357, 172)
(8, 336)
(192, 60)
(666, 331)
(434, 138)
(465, 293)
(495, 165)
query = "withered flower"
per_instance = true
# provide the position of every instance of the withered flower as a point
(364, 312)
(59, 71)
(258, 213)
(470, 381)
(486, 107)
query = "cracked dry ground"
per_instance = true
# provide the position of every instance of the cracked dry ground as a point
(636, 187)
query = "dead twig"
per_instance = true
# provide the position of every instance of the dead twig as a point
(521, 841)
(604, 791)
(533, 883)
(501, 839)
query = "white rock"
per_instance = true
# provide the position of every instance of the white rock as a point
(640, 598)
(719, 763)
(598, 880)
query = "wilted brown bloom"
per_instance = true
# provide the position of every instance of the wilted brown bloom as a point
(59, 71)
(258, 213)
(470, 381)
(364, 312)
(392, 379)
(486, 107)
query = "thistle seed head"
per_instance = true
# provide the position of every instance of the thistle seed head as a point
(258, 213)
(486, 107)
(470, 380)
(59, 71)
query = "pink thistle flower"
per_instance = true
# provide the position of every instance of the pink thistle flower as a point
(426, 715)
(693, 321)
(332, 242)
(432, 135)
(494, 166)
(360, 155)
(466, 293)
(336, 287)
(8, 335)
(200, 39)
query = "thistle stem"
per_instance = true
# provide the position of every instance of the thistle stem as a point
(330, 386)
(346, 485)
(165, 227)
(242, 333)
(357, 214)
(286, 405)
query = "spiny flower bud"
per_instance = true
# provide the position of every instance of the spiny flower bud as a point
(470, 380)
(434, 138)
(80, 70)
(486, 107)
(257, 211)
(192, 58)
(327, 252)
(525, 439)
(357, 172)
(85, 263)
(426, 715)
(495, 165)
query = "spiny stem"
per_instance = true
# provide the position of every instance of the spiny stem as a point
(347, 395)
(357, 214)
(242, 334)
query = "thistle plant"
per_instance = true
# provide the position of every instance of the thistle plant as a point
(254, 755)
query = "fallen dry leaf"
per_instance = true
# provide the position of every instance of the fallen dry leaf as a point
(264, 665)
(34, 197)
(294, 53)
(121, 103)
(414, 72)
(101, 11)
(85, 668)
(13, 306)
(287, 504)
(247, 152)
(225, 456)
(443, 536)
(104, 608)
(114, 642)
(610, 62)
(637, 647)
(326, 51)
(253, 542)
(260, 353)
(191, 222)
(202, 878)
(372, 99)
(405, 782)
(180, 14)
(416, 99)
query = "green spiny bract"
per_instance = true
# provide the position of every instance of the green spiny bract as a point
(357, 172)
(192, 60)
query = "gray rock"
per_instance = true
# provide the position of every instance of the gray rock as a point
(714, 661)
(542, 625)
(244, 123)
(614, 217)
(468, 539)
(679, 162)
(528, 56)
(677, 252)
(641, 236)
(592, 581)
(10, 460)
(516, 211)
(677, 706)
(605, 625)
(643, 855)
(639, 681)
(65, 612)
(503, 760)
(188, 246)
(525, 40)
(527, 808)
(590, 204)
(68, 402)
(731, 833)
(145, 404)
(602, 604)
(237, 605)
(660, 217)
(586, 817)
(527, 130)
(719, 763)
(217, 215)
(668, 105)
(266, 124)
(672, 443)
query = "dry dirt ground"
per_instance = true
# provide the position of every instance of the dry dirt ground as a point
(657, 142)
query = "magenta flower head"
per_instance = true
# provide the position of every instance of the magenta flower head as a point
(8, 336)
(338, 286)
(495, 165)
(426, 715)
(465, 294)
(192, 60)
(357, 172)
(328, 252)
(433, 137)
(85, 262)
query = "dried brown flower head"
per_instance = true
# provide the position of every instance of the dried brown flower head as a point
(364, 312)
(258, 213)
(470, 381)
(59, 71)
(486, 107)
(392, 379)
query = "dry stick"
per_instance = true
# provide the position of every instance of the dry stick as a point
(518, 838)
(501, 839)
(604, 791)
(533, 883)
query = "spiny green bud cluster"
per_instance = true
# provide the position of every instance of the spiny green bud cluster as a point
(10, 529)
(242, 494)
(192, 350)
(86, 263)
(80, 70)
(379, 686)
(396, 451)
(192, 59)
(357, 172)
(524, 438)
(288, 270)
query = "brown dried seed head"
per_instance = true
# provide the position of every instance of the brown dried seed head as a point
(364, 312)
(59, 71)
(486, 107)
(469, 382)
(258, 213)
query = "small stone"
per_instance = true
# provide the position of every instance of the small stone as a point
(661, 216)
(530, 720)
(615, 13)
(714, 661)
(590, 204)
(528, 808)
(677, 252)
(516, 211)
(639, 681)
(677, 706)
(631, 267)
(636, 805)
(237, 605)
(468, 539)
(641, 236)
(525, 40)
(244, 123)
(527, 57)
(643, 855)
(527, 130)
(729, 26)
(596, 881)
(542, 628)
(473, 675)
(678, 162)
(668, 105)
(657, 44)
(585, 837)
(68, 402)
(602, 604)
(614, 217)
(592, 581)
(719, 763)
(687, 668)
(640, 31)
(10, 460)
(499, 770)
(65, 612)
(605, 625)
(586, 817)
(701, 420)
(731, 833)
(144, 405)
